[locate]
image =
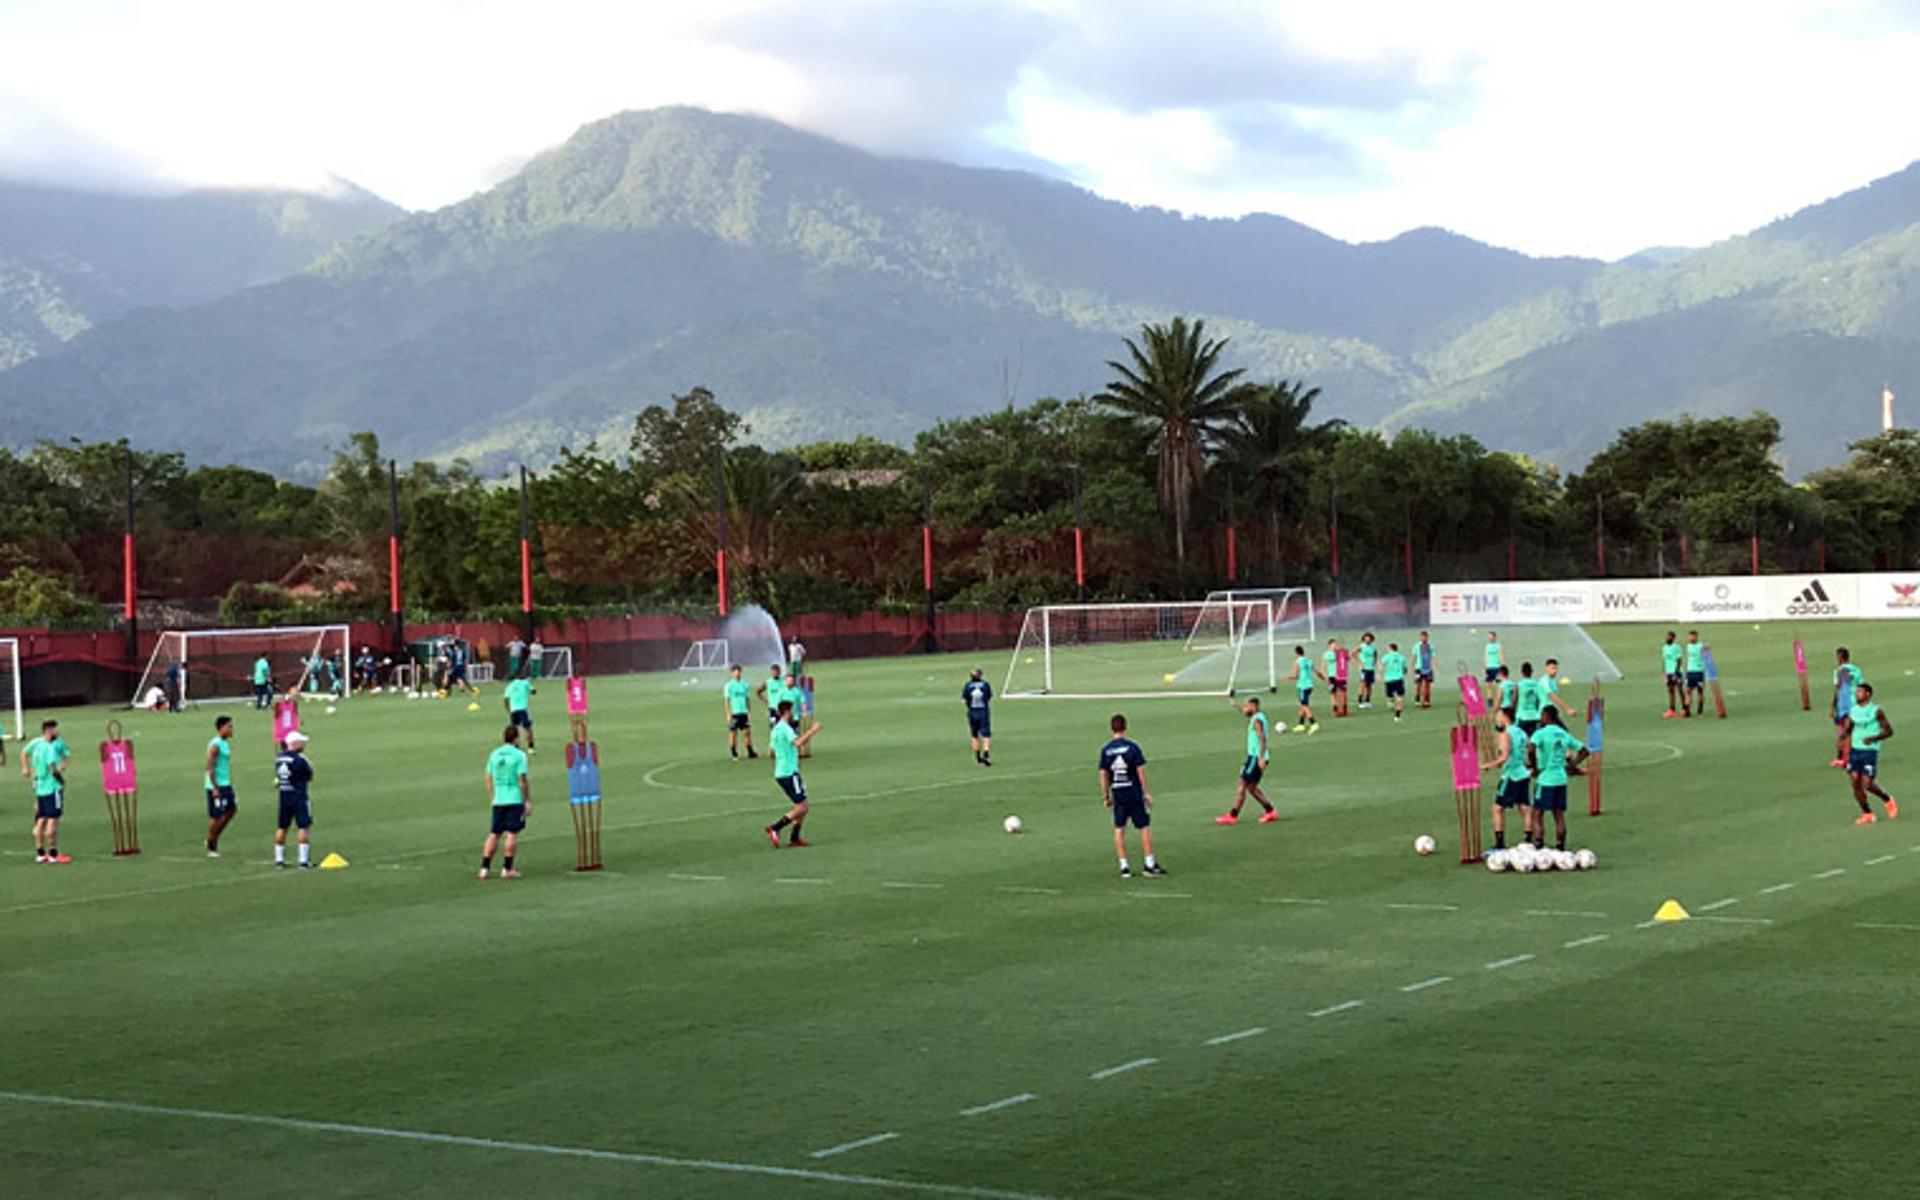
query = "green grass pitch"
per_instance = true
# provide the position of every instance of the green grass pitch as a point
(708, 1016)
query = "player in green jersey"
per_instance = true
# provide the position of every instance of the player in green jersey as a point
(45, 762)
(509, 799)
(786, 773)
(1695, 695)
(1303, 691)
(1369, 656)
(1866, 727)
(1553, 751)
(1507, 694)
(1847, 678)
(1496, 657)
(1529, 697)
(774, 691)
(739, 725)
(1393, 673)
(1515, 778)
(1550, 684)
(519, 701)
(1253, 768)
(221, 805)
(1670, 653)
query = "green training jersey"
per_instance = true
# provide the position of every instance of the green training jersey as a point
(786, 755)
(1529, 699)
(519, 694)
(1551, 745)
(1670, 657)
(1256, 730)
(1849, 677)
(1369, 655)
(1696, 657)
(1515, 767)
(1507, 693)
(776, 692)
(1331, 662)
(44, 758)
(737, 692)
(262, 671)
(1551, 685)
(1493, 656)
(1302, 675)
(505, 766)
(1866, 725)
(222, 773)
(1393, 667)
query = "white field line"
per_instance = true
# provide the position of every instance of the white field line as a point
(152, 891)
(1343, 1006)
(1503, 963)
(1877, 925)
(697, 878)
(896, 883)
(1029, 891)
(1426, 907)
(1729, 902)
(856, 1144)
(1735, 920)
(1123, 1068)
(1778, 887)
(423, 1137)
(1424, 984)
(1884, 858)
(1565, 912)
(1241, 1036)
(1296, 900)
(1588, 940)
(801, 879)
(1832, 873)
(981, 1110)
(1158, 895)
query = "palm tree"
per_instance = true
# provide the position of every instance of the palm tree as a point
(1270, 442)
(1172, 388)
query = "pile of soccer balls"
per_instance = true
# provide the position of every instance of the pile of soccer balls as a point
(1526, 858)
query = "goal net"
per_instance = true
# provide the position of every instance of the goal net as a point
(218, 664)
(556, 662)
(707, 654)
(1292, 616)
(10, 684)
(1121, 651)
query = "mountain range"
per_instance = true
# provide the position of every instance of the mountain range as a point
(825, 291)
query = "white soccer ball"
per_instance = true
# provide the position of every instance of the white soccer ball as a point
(1012, 825)
(1497, 861)
(1563, 859)
(1423, 845)
(1586, 860)
(331, 709)
(1520, 858)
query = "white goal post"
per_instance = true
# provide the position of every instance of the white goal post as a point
(217, 664)
(1145, 650)
(10, 684)
(1293, 614)
(707, 654)
(556, 662)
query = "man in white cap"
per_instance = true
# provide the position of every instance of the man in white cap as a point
(294, 773)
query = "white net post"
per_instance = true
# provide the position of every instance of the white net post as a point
(707, 654)
(1046, 643)
(217, 664)
(1143, 650)
(10, 689)
(556, 662)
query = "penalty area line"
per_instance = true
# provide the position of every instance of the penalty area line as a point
(426, 1137)
(1123, 1068)
(981, 1110)
(855, 1144)
(1241, 1036)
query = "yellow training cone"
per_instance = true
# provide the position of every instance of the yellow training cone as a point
(1670, 911)
(333, 862)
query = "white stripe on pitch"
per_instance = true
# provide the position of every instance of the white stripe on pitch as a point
(1729, 902)
(855, 1144)
(424, 1137)
(1341, 1007)
(981, 1110)
(1424, 984)
(1589, 940)
(1241, 1036)
(1516, 960)
(1123, 1068)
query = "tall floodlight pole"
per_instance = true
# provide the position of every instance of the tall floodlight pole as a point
(1079, 542)
(396, 603)
(526, 561)
(129, 582)
(720, 524)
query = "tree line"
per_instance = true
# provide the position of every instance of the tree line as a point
(1155, 466)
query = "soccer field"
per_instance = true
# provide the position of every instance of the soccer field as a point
(920, 1004)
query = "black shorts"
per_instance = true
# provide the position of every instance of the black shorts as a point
(1696, 680)
(1673, 679)
(1552, 797)
(1512, 794)
(1366, 677)
(50, 807)
(1396, 687)
(1130, 807)
(1423, 676)
(457, 675)
(220, 802)
(295, 810)
(979, 724)
(1493, 674)
(1251, 770)
(738, 721)
(509, 818)
(794, 786)
(522, 718)
(1528, 727)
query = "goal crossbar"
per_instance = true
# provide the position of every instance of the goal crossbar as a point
(214, 662)
(1116, 651)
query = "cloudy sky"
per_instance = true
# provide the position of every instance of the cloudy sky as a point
(1556, 128)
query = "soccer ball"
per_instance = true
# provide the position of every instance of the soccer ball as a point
(1012, 825)
(331, 710)
(1563, 859)
(1167, 678)
(1497, 861)
(1520, 858)
(1586, 860)
(1423, 845)
(473, 706)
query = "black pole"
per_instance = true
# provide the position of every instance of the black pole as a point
(720, 523)
(526, 563)
(132, 611)
(395, 600)
(1333, 535)
(926, 493)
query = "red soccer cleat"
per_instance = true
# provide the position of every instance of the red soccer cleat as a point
(800, 841)
(1864, 819)
(60, 858)
(1268, 818)
(1893, 809)
(1838, 762)
(1226, 818)
(773, 837)
(1668, 715)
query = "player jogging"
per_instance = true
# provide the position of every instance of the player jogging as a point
(45, 762)
(1551, 747)
(262, 683)
(221, 806)
(519, 697)
(1423, 671)
(1496, 657)
(294, 773)
(457, 668)
(1303, 691)
(1253, 768)
(1529, 697)
(786, 774)
(1670, 668)
(512, 799)
(1515, 786)
(1123, 789)
(1848, 678)
(1369, 656)
(739, 724)
(1695, 695)
(1865, 728)
(1393, 672)
(977, 695)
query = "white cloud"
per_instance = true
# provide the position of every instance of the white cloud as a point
(1558, 129)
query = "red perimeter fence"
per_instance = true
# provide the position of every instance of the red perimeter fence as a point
(92, 667)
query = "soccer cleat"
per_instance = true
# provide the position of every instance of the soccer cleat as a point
(1226, 818)
(1155, 869)
(1269, 817)
(1865, 818)
(40, 858)
(213, 854)
(509, 873)
(799, 841)
(1314, 728)
(751, 753)
(1300, 728)
(773, 836)
(58, 858)
(306, 866)
(1668, 715)
(1126, 872)
(1837, 763)
(281, 865)
(484, 873)
(1893, 809)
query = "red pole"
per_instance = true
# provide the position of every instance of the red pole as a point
(1600, 551)
(126, 554)
(526, 576)
(720, 569)
(1823, 556)
(1233, 556)
(1753, 545)
(926, 557)
(393, 573)
(1333, 544)
(1079, 559)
